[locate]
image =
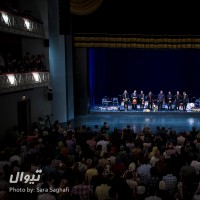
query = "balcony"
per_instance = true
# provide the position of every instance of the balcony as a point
(15, 24)
(11, 82)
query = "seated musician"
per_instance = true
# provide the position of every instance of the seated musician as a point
(169, 100)
(134, 97)
(141, 99)
(125, 99)
(150, 100)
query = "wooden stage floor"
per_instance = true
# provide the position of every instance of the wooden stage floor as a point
(177, 120)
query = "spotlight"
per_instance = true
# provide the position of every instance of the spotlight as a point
(36, 76)
(11, 79)
(27, 24)
(5, 17)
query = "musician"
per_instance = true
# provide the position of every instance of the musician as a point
(141, 100)
(177, 98)
(169, 100)
(150, 100)
(160, 100)
(125, 99)
(134, 97)
(185, 100)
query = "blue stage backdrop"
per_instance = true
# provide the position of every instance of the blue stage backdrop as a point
(111, 71)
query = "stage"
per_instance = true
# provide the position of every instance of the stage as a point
(177, 120)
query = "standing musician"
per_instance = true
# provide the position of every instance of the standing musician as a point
(150, 100)
(141, 99)
(185, 100)
(177, 98)
(125, 99)
(169, 100)
(134, 97)
(160, 100)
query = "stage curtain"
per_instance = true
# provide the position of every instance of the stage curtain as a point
(84, 7)
(97, 75)
(112, 70)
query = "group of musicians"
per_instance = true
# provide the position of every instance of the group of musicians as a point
(169, 99)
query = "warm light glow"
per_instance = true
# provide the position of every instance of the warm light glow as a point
(27, 24)
(36, 76)
(5, 17)
(11, 79)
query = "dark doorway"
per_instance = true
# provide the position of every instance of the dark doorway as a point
(24, 116)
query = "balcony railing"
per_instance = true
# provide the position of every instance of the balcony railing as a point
(11, 82)
(20, 25)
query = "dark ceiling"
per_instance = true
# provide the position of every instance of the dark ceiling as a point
(132, 17)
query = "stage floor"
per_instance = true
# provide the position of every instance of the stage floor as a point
(177, 120)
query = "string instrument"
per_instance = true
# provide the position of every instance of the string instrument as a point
(134, 101)
(170, 100)
(125, 100)
(142, 100)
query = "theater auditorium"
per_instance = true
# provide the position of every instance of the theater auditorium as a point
(99, 99)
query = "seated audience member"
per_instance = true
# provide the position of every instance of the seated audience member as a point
(104, 142)
(81, 189)
(102, 191)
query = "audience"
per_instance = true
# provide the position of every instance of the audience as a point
(94, 165)
(9, 63)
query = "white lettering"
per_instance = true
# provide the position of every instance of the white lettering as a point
(31, 190)
(13, 189)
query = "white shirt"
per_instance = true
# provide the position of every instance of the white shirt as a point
(104, 144)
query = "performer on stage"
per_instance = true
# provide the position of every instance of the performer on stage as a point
(177, 98)
(150, 100)
(134, 97)
(125, 99)
(169, 100)
(185, 100)
(141, 99)
(160, 100)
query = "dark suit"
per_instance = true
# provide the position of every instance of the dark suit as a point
(185, 101)
(169, 101)
(161, 98)
(150, 101)
(142, 101)
(125, 97)
(177, 98)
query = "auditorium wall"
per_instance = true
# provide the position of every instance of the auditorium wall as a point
(39, 106)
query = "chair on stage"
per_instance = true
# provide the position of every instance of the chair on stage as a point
(115, 101)
(105, 101)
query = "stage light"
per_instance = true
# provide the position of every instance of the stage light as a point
(36, 76)
(5, 17)
(27, 24)
(11, 78)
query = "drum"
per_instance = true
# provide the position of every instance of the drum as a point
(190, 106)
(134, 101)
(122, 103)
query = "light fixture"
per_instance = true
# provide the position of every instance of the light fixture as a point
(5, 17)
(27, 24)
(36, 76)
(11, 78)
